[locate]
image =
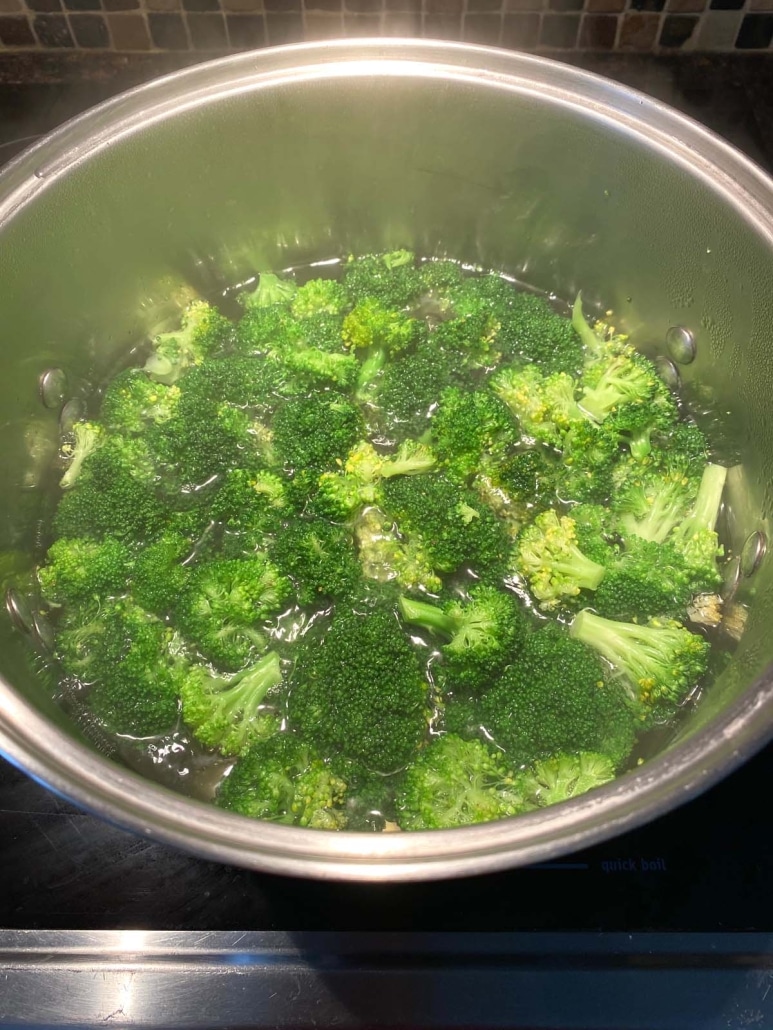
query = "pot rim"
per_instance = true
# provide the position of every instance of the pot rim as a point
(103, 787)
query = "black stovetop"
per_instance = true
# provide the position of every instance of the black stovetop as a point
(708, 867)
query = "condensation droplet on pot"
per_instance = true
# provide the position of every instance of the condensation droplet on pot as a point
(53, 387)
(42, 633)
(731, 577)
(752, 553)
(18, 610)
(680, 344)
(72, 412)
(668, 372)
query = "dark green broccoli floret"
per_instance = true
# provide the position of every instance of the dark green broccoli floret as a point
(554, 698)
(314, 434)
(125, 654)
(319, 558)
(392, 279)
(388, 556)
(589, 458)
(468, 341)
(270, 291)
(225, 713)
(485, 631)
(249, 505)
(283, 781)
(549, 558)
(246, 382)
(695, 538)
(410, 386)
(468, 426)
(456, 782)
(659, 662)
(111, 498)
(359, 691)
(562, 777)
(134, 401)
(264, 329)
(159, 576)
(454, 526)
(81, 443)
(77, 570)
(320, 297)
(225, 601)
(203, 333)
(440, 274)
(635, 423)
(646, 580)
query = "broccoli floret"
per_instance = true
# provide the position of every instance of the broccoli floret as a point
(320, 297)
(392, 279)
(468, 425)
(659, 662)
(386, 556)
(562, 777)
(518, 485)
(282, 780)
(134, 401)
(78, 570)
(246, 382)
(249, 506)
(646, 580)
(544, 405)
(81, 443)
(594, 530)
(342, 493)
(600, 341)
(226, 713)
(454, 526)
(549, 558)
(270, 291)
(371, 325)
(621, 379)
(319, 558)
(264, 329)
(635, 423)
(111, 498)
(224, 602)
(456, 782)
(359, 691)
(410, 386)
(440, 274)
(554, 698)
(159, 576)
(532, 330)
(315, 434)
(468, 341)
(589, 459)
(695, 537)
(484, 632)
(651, 501)
(126, 654)
(204, 332)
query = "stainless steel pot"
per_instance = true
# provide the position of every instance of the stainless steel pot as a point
(302, 153)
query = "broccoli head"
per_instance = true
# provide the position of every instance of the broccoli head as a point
(133, 401)
(409, 388)
(319, 558)
(392, 279)
(695, 538)
(562, 777)
(544, 405)
(549, 558)
(371, 325)
(81, 443)
(77, 571)
(320, 297)
(468, 426)
(271, 291)
(159, 576)
(203, 333)
(388, 556)
(648, 579)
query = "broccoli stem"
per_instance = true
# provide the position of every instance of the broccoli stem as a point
(583, 330)
(245, 694)
(706, 509)
(369, 371)
(641, 444)
(418, 613)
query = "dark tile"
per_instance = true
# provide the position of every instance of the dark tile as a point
(44, 6)
(246, 31)
(520, 31)
(442, 26)
(363, 6)
(168, 31)
(523, 5)
(444, 6)
(90, 31)
(362, 25)
(559, 30)
(52, 30)
(565, 5)
(207, 31)
(598, 32)
(282, 6)
(128, 32)
(201, 5)
(323, 5)
(400, 5)
(685, 6)
(484, 5)
(605, 6)
(11, 7)
(482, 28)
(638, 32)
(756, 32)
(284, 28)
(120, 5)
(15, 31)
(726, 5)
(677, 29)
(82, 5)
(401, 23)
(647, 5)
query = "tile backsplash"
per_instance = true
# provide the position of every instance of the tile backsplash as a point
(549, 26)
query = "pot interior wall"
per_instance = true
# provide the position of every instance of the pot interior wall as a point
(290, 173)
